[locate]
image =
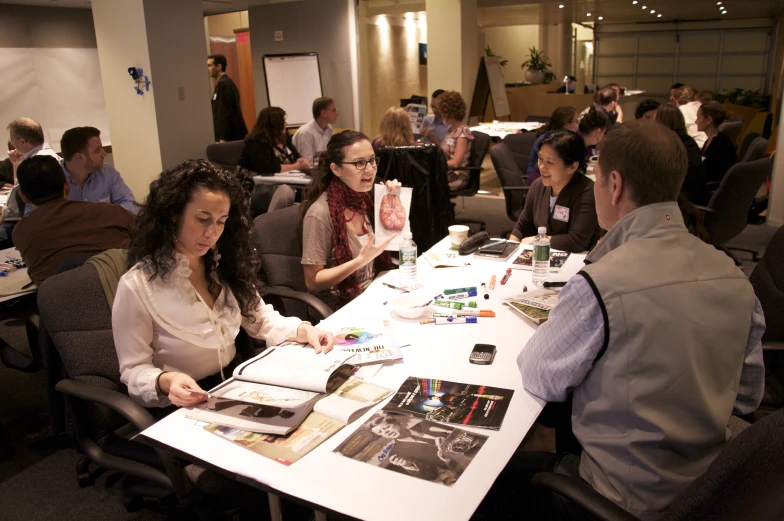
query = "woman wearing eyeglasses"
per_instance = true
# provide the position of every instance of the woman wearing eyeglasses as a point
(339, 258)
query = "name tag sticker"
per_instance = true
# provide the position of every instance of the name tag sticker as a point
(214, 96)
(561, 213)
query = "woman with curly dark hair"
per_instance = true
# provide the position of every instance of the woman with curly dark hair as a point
(457, 145)
(192, 283)
(339, 258)
(268, 148)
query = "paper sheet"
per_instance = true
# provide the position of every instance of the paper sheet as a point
(387, 213)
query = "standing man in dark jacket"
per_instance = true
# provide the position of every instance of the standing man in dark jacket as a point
(227, 118)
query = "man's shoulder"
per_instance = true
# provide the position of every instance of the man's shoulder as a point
(306, 128)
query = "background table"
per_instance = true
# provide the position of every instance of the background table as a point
(282, 179)
(502, 129)
(360, 490)
(11, 284)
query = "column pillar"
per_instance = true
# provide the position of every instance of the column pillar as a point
(173, 121)
(555, 41)
(451, 66)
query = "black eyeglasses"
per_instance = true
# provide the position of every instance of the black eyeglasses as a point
(361, 164)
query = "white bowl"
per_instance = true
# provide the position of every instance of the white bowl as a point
(406, 305)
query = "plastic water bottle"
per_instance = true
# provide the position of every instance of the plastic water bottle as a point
(408, 260)
(541, 263)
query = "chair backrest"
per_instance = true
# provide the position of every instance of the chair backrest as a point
(732, 200)
(279, 247)
(521, 146)
(744, 482)
(732, 129)
(509, 175)
(422, 168)
(744, 146)
(756, 150)
(227, 154)
(479, 147)
(768, 282)
(282, 198)
(83, 336)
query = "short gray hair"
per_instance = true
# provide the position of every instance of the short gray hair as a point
(28, 129)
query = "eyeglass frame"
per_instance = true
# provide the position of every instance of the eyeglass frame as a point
(373, 160)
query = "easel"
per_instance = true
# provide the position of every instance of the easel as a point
(489, 85)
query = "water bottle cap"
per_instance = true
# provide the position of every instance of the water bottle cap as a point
(542, 230)
(408, 235)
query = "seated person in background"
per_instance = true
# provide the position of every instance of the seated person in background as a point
(339, 258)
(312, 137)
(695, 187)
(675, 87)
(60, 228)
(192, 283)
(646, 109)
(394, 129)
(592, 128)
(684, 98)
(718, 152)
(606, 102)
(572, 86)
(90, 178)
(562, 117)
(644, 340)
(433, 127)
(268, 149)
(562, 198)
(617, 115)
(26, 140)
(704, 96)
(456, 145)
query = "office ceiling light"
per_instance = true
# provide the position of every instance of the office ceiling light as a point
(645, 7)
(718, 3)
(652, 11)
(658, 16)
(601, 18)
(560, 6)
(635, 2)
(589, 14)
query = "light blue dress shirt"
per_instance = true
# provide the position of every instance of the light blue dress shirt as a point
(103, 186)
(436, 127)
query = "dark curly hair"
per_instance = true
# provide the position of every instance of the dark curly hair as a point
(452, 105)
(152, 242)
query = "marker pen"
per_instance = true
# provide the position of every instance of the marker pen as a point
(454, 320)
(448, 304)
(468, 312)
(459, 290)
(506, 276)
(484, 289)
(456, 296)
(492, 282)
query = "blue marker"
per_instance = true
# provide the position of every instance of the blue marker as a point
(455, 320)
(455, 296)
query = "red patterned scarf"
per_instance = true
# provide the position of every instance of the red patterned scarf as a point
(340, 197)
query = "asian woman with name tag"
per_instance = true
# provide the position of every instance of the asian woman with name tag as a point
(562, 199)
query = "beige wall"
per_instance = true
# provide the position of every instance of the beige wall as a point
(393, 67)
(512, 43)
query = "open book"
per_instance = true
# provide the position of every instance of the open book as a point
(451, 259)
(525, 260)
(329, 415)
(452, 402)
(369, 341)
(534, 305)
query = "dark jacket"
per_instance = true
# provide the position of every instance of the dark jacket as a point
(227, 121)
(260, 157)
(695, 187)
(718, 156)
(581, 230)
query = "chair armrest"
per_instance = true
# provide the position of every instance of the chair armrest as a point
(773, 345)
(311, 300)
(713, 185)
(705, 209)
(582, 495)
(132, 411)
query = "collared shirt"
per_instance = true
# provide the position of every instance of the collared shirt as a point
(437, 127)
(165, 325)
(11, 210)
(310, 139)
(102, 186)
(558, 357)
(689, 111)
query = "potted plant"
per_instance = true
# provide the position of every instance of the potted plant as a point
(490, 54)
(537, 68)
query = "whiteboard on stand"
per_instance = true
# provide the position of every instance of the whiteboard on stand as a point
(497, 88)
(293, 82)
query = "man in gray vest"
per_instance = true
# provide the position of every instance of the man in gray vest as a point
(657, 339)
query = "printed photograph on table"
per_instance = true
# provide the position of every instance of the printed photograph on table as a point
(370, 340)
(525, 261)
(452, 402)
(413, 446)
(392, 211)
(534, 305)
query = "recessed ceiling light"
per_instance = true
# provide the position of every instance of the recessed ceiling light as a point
(635, 2)
(658, 16)
(718, 3)
(724, 12)
(560, 6)
(601, 18)
(645, 7)
(652, 11)
(589, 14)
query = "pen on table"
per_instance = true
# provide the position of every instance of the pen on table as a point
(404, 290)
(31, 283)
(492, 282)
(506, 276)
(194, 391)
(450, 320)
(484, 289)
(558, 284)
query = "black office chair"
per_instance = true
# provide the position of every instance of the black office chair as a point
(226, 154)
(521, 145)
(756, 150)
(744, 146)
(479, 147)
(282, 198)
(424, 170)
(732, 129)
(726, 214)
(512, 181)
(279, 247)
(744, 482)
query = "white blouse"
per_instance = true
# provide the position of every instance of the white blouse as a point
(165, 325)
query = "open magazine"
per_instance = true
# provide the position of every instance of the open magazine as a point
(329, 415)
(416, 114)
(369, 341)
(413, 446)
(446, 259)
(525, 261)
(452, 402)
(534, 305)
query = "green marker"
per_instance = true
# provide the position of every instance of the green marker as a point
(471, 304)
(459, 290)
(448, 304)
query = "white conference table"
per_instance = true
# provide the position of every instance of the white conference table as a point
(15, 283)
(298, 180)
(501, 129)
(339, 484)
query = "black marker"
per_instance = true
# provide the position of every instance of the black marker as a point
(484, 288)
(560, 284)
